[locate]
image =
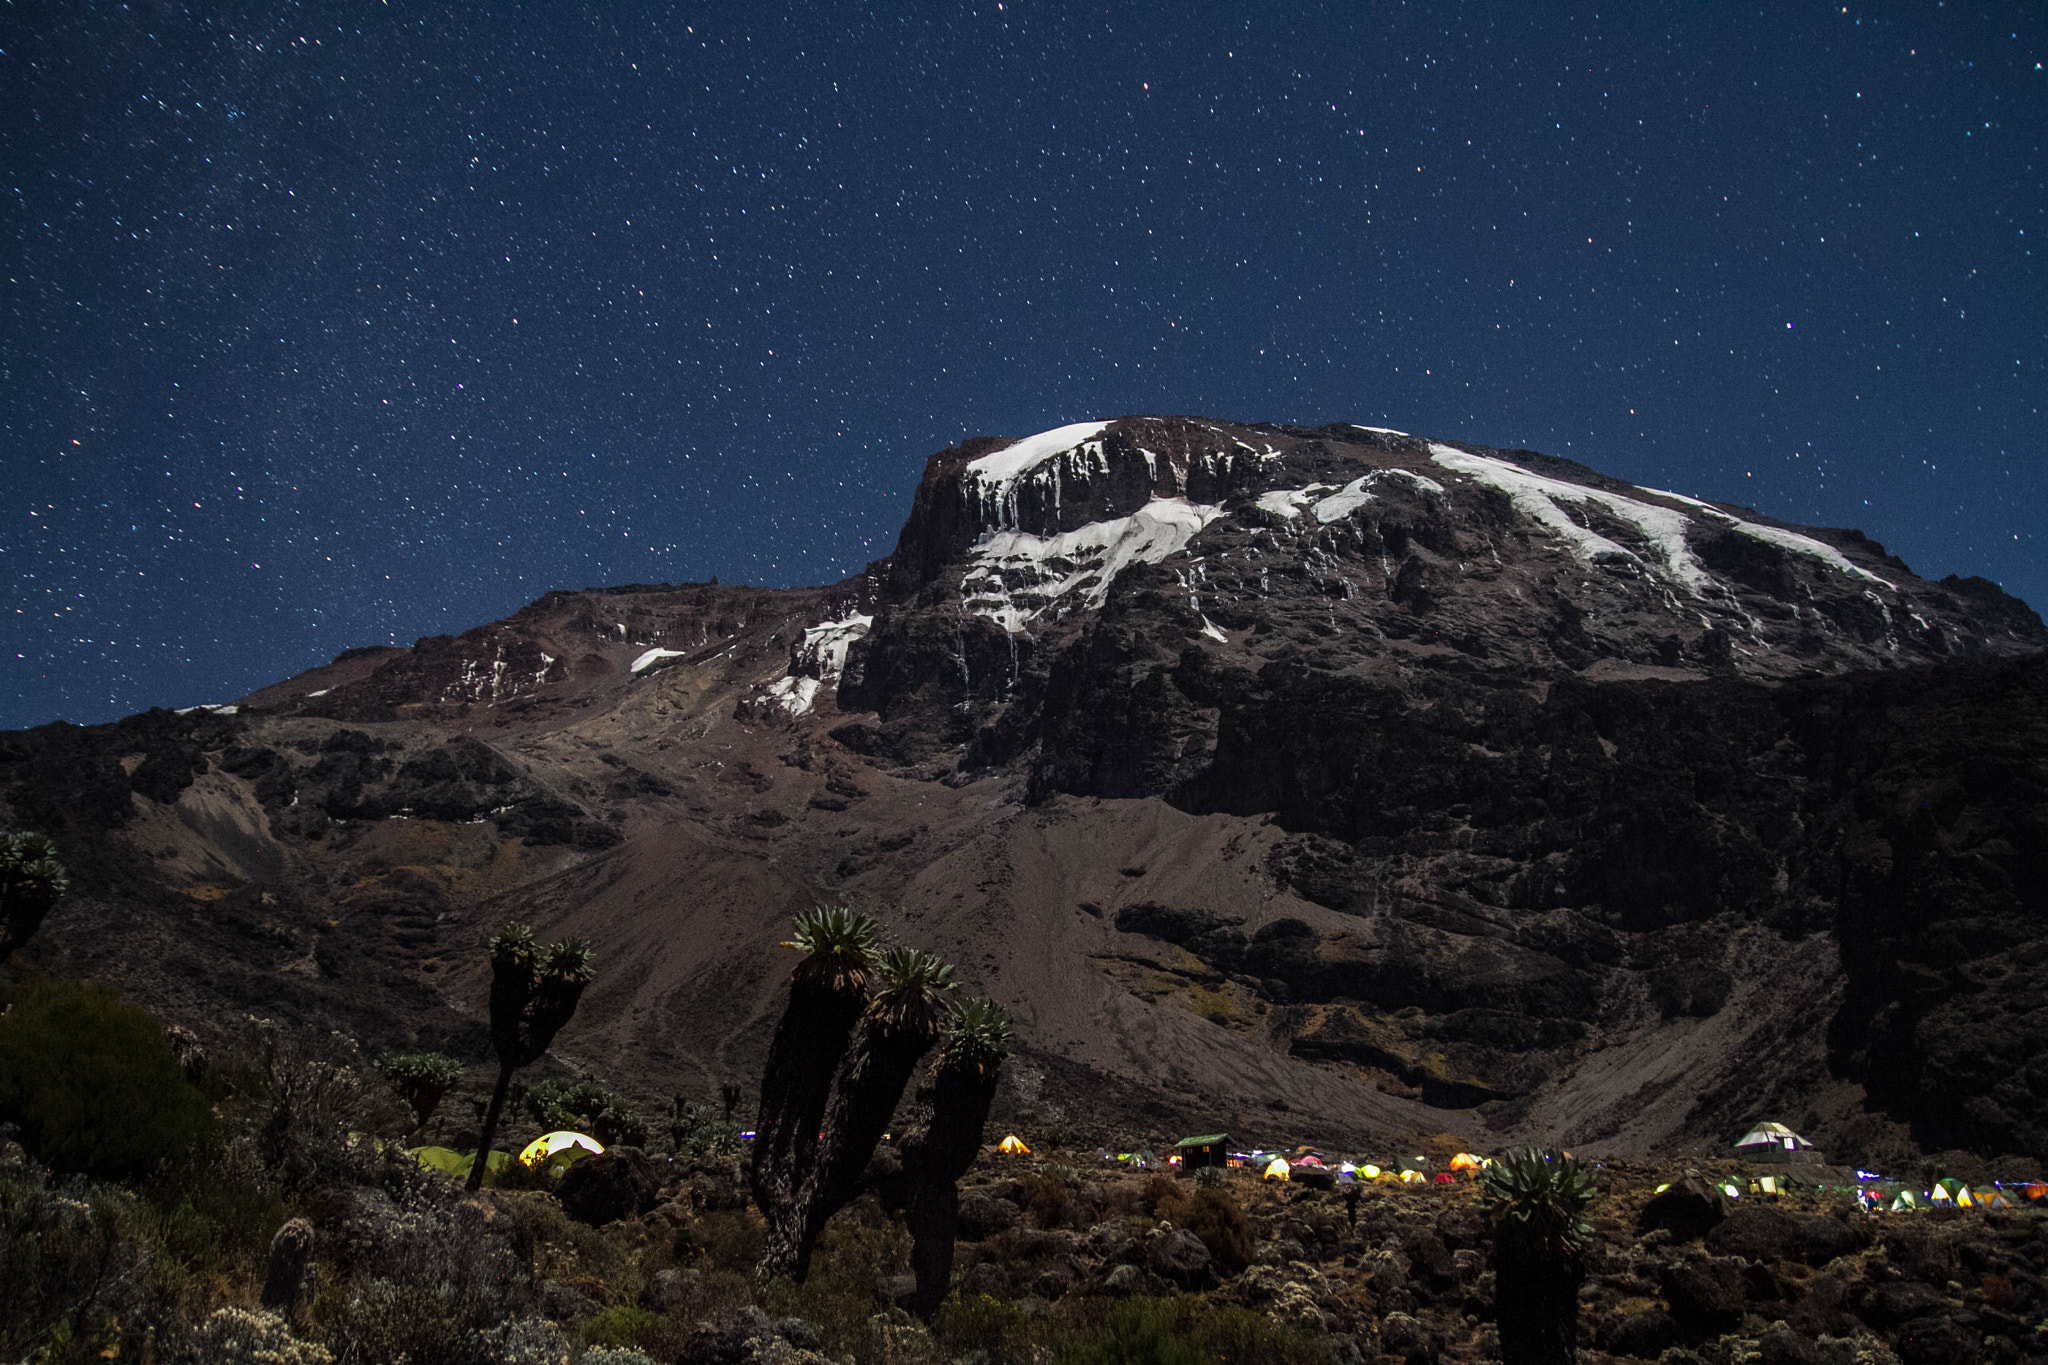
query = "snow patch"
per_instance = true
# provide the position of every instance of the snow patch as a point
(1288, 502)
(321, 693)
(1784, 540)
(794, 694)
(218, 708)
(655, 656)
(1537, 498)
(1015, 576)
(1341, 502)
(1384, 431)
(989, 483)
(1210, 629)
(819, 660)
(825, 645)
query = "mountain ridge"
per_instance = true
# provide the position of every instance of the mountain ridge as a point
(1469, 789)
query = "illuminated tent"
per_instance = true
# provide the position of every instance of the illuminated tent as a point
(560, 1141)
(1278, 1170)
(1413, 1177)
(1775, 1142)
(456, 1163)
(1014, 1145)
(1465, 1161)
(1990, 1197)
(1905, 1202)
(2034, 1191)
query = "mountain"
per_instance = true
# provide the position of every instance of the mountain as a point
(1310, 782)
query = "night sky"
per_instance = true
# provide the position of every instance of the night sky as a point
(332, 325)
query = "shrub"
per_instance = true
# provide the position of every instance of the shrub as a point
(618, 1327)
(237, 1336)
(421, 1079)
(586, 1107)
(1140, 1331)
(698, 1131)
(93, 1084)
(975, 1322)
(1212, 1215)
(76, 1266)
(1189, 1331)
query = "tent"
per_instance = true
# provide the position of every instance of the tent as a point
(1370, 1172)
(1278, 1170)
(1414, 1177)
(1775, 1142)
(1465, 1161)
(560, 1141)
(456, 1163)
(1444, 1178)
(1989, 1197)
(1309, 1159)
(1953, 1191)
(1906, 1202)
(1014, 1145)
(1731, 1190)
(2034, 1191)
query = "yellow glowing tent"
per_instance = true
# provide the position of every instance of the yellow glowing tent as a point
(1279, 1169)
(1370, 1171)
(1014, 1145)
(1414, 1178)
(561, 1140)
(1465, 1161)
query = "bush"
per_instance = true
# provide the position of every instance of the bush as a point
(1139, 1331)
(76, 1266)
(994, 1327)
(586, 1107)
(1212, 1215)
(93, 1083)
(698, 1131)
(1189, 1331)
(421, 1079)
(236, 1336)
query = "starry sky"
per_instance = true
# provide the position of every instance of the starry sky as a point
(338, 324)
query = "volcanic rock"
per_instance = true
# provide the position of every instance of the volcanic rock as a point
(1324, 778)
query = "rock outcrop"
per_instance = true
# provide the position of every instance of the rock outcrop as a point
(1322, 778)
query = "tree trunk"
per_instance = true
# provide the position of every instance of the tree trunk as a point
(490, 1129)
(935, 1155)
(931, 1211)
(796, 1085)
(1536, 1304)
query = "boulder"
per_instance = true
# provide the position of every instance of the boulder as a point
(1179, 1257)
(1897, 1302)
(1708, 1292)
(1782, 1345)
(1761, 1232)
(982, 1216)
(1645, 1335)
(603, 1189)
(1688, 1210)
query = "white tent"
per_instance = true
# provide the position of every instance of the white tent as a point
(1775, 1142)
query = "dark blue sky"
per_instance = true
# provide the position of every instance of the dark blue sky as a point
(330, 325)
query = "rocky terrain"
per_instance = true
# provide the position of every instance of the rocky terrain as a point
(1312, 783)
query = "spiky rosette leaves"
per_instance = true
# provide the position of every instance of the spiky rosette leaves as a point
(839, 947)
(910, 987)
(975, 1033)
(1535, 1196)
(31, 881)
(514, 945)
(571, 960)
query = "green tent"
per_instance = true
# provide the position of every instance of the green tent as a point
(452, 1162)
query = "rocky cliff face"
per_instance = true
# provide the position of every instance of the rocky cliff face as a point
(1327, 778)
